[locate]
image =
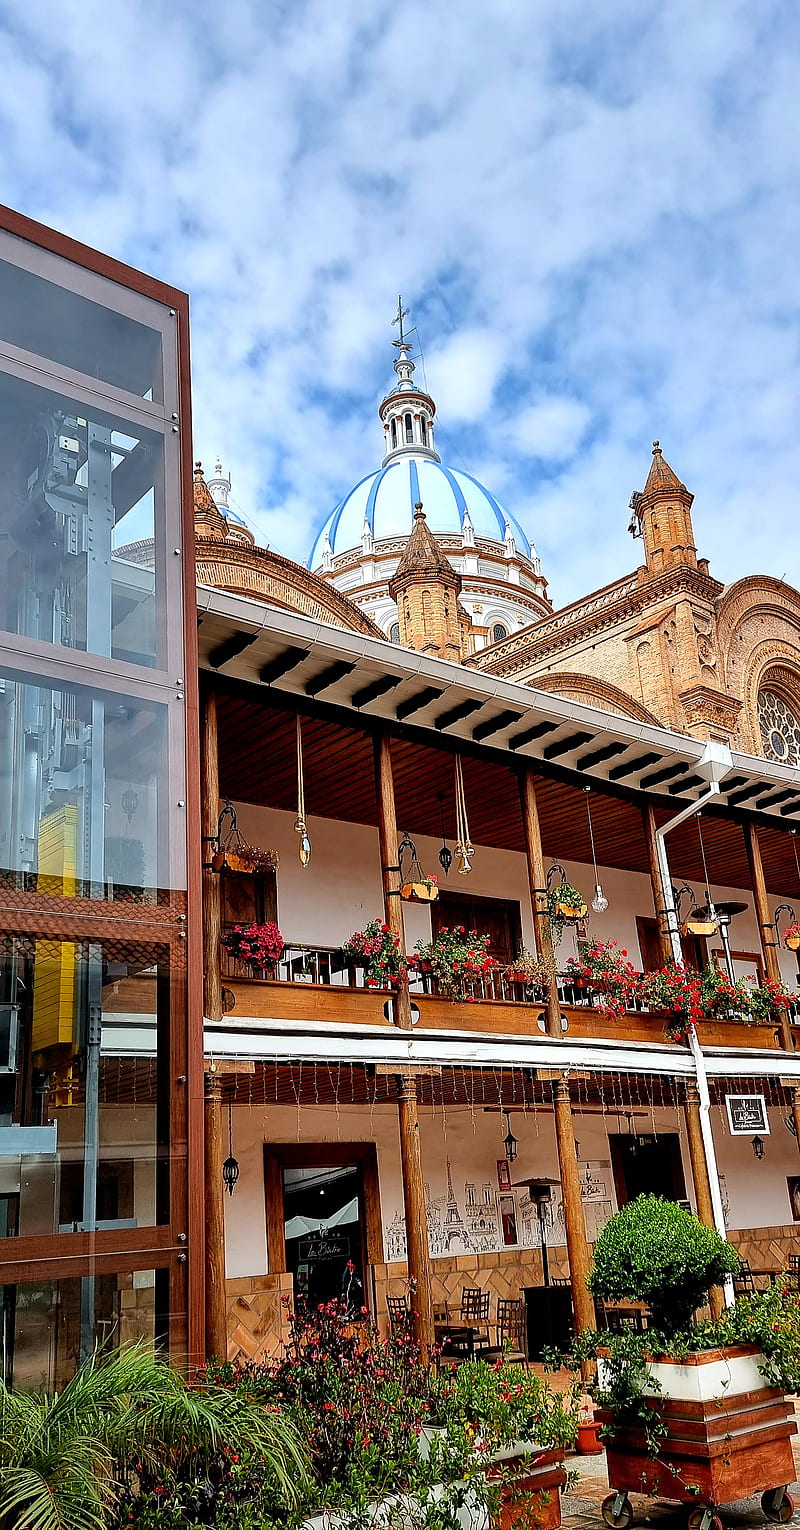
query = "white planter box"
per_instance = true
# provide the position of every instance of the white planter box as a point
(703, 1378)
(404, 1511)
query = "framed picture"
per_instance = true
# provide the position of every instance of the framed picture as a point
(746, 964)
(747, 1114)
(793, 1185)
(503, 1174)
(508, 1218)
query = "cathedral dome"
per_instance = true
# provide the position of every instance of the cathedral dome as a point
(384, 501)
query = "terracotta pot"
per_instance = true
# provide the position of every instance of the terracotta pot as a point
(588, 1442)
(792, 942)
(418, 892)
(572, 915)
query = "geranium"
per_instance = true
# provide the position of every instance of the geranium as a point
(458, 959)
(377, 950)
(260, 945)
(604, 965)
(769, 1001)
(676, 990)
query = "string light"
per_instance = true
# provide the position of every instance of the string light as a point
(304, 847)
(599, 901)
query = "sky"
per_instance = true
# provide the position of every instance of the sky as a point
(591, 210)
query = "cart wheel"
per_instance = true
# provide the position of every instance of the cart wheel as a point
(702, 1517)
(778, 1509)
(617, 1511)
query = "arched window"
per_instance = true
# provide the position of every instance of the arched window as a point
(409, 424)
(780, 728)
(427, 611)
(394, 434)
(423, 432)
(394, 632)
(499, 632)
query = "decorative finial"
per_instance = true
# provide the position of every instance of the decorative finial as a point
(418, 511)
(656, 448)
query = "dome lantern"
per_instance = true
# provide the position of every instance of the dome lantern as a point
(406, 413)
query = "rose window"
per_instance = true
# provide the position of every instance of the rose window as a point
(780, 729)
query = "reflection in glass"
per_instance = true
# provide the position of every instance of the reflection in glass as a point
(47, 1327)
(83, 794)
(84, 1117)
(36, 315)
(82, 489)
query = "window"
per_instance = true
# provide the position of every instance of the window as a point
(394, 433)
(394, 632)
(780, 728)
(499, 632)
(423, 432)
(409, 424)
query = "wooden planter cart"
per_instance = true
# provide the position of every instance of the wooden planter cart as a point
(542, 1474)
(728, 1436)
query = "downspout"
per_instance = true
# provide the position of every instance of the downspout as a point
(715, 763)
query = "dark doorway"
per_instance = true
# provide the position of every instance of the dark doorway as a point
(695, 947)
(324, 1231)
(647, 1165)
(496, 917)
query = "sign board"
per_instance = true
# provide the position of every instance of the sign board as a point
(747, 1114)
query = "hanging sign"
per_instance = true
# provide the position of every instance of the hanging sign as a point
(747, 1113)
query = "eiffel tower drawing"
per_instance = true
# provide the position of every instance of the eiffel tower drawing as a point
(454, 1230)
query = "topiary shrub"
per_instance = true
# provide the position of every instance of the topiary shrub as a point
(655, 1252)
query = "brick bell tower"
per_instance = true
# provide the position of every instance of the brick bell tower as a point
(664, 512)
(425, 588)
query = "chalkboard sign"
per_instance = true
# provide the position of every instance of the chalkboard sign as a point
(747, 1113)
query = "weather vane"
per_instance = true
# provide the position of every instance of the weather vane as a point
(402, 313)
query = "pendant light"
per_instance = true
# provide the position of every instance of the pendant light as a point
(509, 1141)
(599, 901)
(445, 854)
(757, 1144)
(304, 846)
(230, 1168)
(464, 847)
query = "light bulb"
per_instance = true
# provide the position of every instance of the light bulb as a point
(304, 847)
(599, 901)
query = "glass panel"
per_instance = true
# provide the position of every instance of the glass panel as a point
(46, 1328)
(84, 1117)
(324, 1238)
(82, 493)
(37, 315)
(84, 795)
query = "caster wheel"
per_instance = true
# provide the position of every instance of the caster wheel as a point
(780, 1513)
(617, 1511)
(701, 1517)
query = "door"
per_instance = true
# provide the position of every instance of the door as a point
(694, 947)
(324, 1232)
(647, 1165)
(498, 918)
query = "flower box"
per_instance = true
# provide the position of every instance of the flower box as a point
(542, 1474)
(419, 892)
(571, 912)
(728, 1434)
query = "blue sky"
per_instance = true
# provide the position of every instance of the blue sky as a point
(592, 211)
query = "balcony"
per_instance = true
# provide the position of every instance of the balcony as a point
(318, 982)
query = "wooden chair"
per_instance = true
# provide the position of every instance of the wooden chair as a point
(559, 1280)
(399, 1316)
(792, 1272)
(475, 1314)
(743, 1283)
(510, 1332)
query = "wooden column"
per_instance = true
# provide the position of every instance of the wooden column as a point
(793, 1090)
(766, 927)
(574, 1222)
(212, 901)
(418, 1253)
(216, 1325)
(649, 826)
(700, 1178)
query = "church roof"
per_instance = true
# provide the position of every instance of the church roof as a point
(423, 556)
(661, 479)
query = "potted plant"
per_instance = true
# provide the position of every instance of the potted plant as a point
(605, 967)
(565, 905)
(675, 990)
(257, 945)
(530, 970)
(424, 890)
(791, 937)
(377, 950)
(769, 1001)
(689, 1410)
(458, 959)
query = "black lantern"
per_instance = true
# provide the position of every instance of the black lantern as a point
(230, 1168)
(757, 1145)
(509, 1141)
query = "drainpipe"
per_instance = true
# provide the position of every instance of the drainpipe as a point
(714, 764)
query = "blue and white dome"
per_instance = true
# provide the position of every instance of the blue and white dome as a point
(385, 500)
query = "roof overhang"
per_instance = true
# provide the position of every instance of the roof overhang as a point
(293, 656)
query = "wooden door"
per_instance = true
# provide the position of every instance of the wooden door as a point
(499, 918)
(694, 947)
(248, 899)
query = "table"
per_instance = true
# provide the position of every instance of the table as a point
(456, 1340)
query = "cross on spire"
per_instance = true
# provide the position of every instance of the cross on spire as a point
(402, 313)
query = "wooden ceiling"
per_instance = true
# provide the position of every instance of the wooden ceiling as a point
(257, 745)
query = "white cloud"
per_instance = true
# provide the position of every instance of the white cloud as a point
(552, 428)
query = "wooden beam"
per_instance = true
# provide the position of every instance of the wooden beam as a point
(216, 1325)
(212, 901)
(419, 1261)
(766, 927)
(700, 1179)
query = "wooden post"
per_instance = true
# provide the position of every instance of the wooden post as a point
(418, 1253)
(212, 899)
(766, 927)
(793, 1090)
(574, 1222)
(700, 1178)
(665, 944)
(216, 1324)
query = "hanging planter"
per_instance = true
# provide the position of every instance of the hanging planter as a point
(235, 853)
(415, 884)
(791, 938)
(424, 891)
(565, 903)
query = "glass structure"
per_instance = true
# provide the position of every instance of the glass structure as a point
(95, 995)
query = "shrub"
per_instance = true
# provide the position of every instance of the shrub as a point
(655, 1252)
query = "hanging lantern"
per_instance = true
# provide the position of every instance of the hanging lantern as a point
(464, 847)
(304, 845)
(757, 1145)
(445, 854)
(599, 901)
(509, 1141)
(230, 1168)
